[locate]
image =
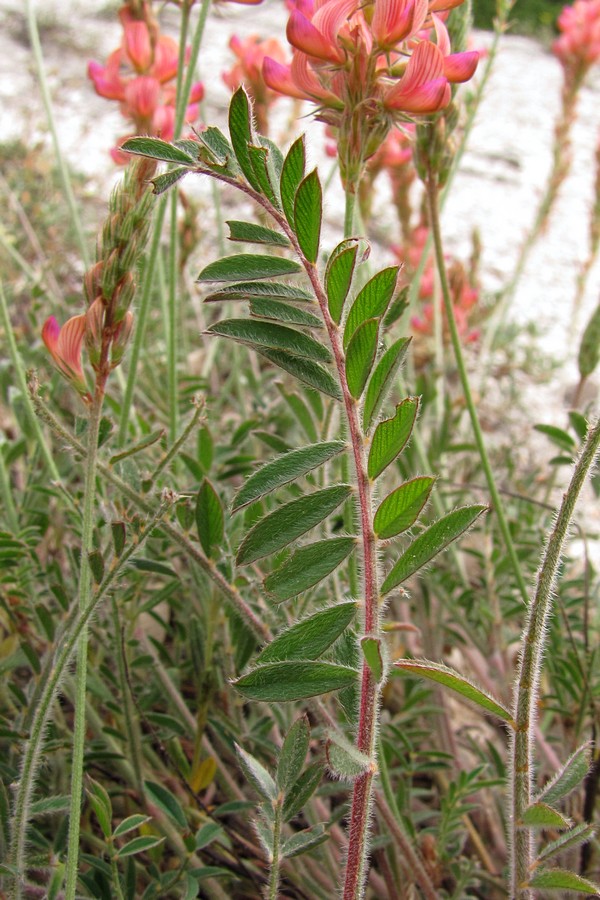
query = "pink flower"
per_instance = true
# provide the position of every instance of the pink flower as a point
(321, 37)
(578, 47)
(458, 67)
(424, 87)
(397, 20)
(64, 345)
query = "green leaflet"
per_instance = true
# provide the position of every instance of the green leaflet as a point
(138, 845)
(259, 160)
(301, 413)
(562, 880)
(218, 151)
(310, 637)
(344, 759)
(248, 290)
(360, 356)
(276, 337)
(452, 679)
(303, 841)
(284, 525)
(155, 148)
(580, 834)
(589, 349)
(371, 648)
(383, 379)
(257, 775)
(255, 234)
(431, 542)
(301, 791)
(283, 681)
(245, 266)
(568, 778)
(167, 802)
(401, 508)
(209, 518)
(283, 312)
(308, 212)
(307, 566)
(241, 133)
(284, 469)
(291, 176)
(311, 373)
(338, 276)
(372, 301)
(540, 815)
(162, 183)
(293, 753)
(391, 435)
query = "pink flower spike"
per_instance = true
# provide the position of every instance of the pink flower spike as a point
(278, 77)
(137, 46)
(64, 345)
(303, 35)
(397, 20)
(459, 67)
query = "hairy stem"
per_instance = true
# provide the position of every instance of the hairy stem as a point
(272, 890)
(532, 648)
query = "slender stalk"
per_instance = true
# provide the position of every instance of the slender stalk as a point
(173, 322)
(532, 648)
(85, 594)
(177, 445)
(272, 890)
(34, 37)
(130, 722)
(10, 510)
(434, 216)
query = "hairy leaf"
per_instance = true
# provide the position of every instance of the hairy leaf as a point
(360, 356)
(371, 648)
(576, 836)
(264, 308)
(259, 160)
(293, 753)
(294, 680)
(291, 176)
(562, 880)
(241, 133)
(250, 290)
(301, 791)
(273, 336)
(338, 276)
(307, 566)
(568, 778)
(303, 841)
(391, 435)
(311, 373)
(310, 637)
(139, 845)
(402, 507)
(244, 266)
(345, 759)
(209, 518)
(372, 301)
(382, 379)
(308, 212)
(255, 234)
(162, 183)
(155, 148)
(540, 815)
(257, 775)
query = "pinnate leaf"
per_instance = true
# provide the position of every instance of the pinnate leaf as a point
(294, 680)
(360, 356)
(264, 308)
(155, 148)
(285, 468)
(338, 276)
(372, 300)
(308, 212)
(431, 542)
(273, 336)
(401, 508)
(310, 637)
(248, 290)
(291, 176)
(284, 525)
(391, 435)
(209, 518)
(244, 266)
(307, 566)
(305, 370)
(383, 379)
(251, 233)
(293, 753)
(562, 880)
(241, 133)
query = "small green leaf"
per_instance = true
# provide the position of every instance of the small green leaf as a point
(372, 301)
(242, 134)
(402, 507)
(560, 438)
(130, 824)
(293, 753)
(166, 802)
(310, 637)
(139, 845)
(307, 566)
(275, 337)
(162, 183)
(259, 160)
(209, 518)
(344, 759)
(589, 349)
(452, 679)
(259, 289)
(338, 276)
(561, 880)
(155, 148)
(138, 446)
(257, 775)
(250, 233)
(284, 525)
(100, 801)
(96, 562)
(371, 648)
(303, 841)
(540, 815)
(360, 356)
(283, 312)
(568, 778)
(291, 176)
(301, 413)
(285, 468)
(311, 373)
(431, 542)
(47, 806)
(576, 836)
(206, 834)
(397, 308)
(308, 212)
(382, 380)
(294, 680)
(244, 266)
(302, 790)
(391, 436)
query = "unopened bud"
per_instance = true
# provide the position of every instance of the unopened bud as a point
(94, 325)
(92, 282)
(122, 297)
(111, 274)
(121, 339)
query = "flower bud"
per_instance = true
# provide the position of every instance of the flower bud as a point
(121, 339)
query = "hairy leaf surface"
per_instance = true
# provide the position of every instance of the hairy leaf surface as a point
(308, 566)
(308, 212)
(276, 337)
(391, 435)
(311, 373)
(251, 233)
(310, 637)
(245, 266)
(283, 312)
(382, 379)
(295, 680)
(372, 301)
(360, 356)
(338, 276)
(291, 176)
(402, 507)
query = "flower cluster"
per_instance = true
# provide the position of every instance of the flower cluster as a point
(248, 70)
(140, 75)
(369, 64)
(578, 46)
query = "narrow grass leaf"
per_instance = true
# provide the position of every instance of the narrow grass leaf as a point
(382, 380)
(311, 373)
(291, 176)
(391, 435)
(271, 335)
(244, 266)
(302, 790)
(251, 233)
(283, 312)
(402, 507)
(241, 133)
(308, 566)
(360, 356)
(308, 212)
(209, 518)
(283, 469)
(293, 753)
(338, 276)
(303, 841)
(310, 637)
(372, 301)
(166, 802)
(284, 525)
(431, 542)
(540, 815)
(259, 289)
(155, 148)
(562, 880)
(452, 679)
(257, 775)
(568, 778)
(281, 682)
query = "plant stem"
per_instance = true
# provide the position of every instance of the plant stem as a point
(434, 216)
(173, 322)
(532, 648)
(85, 591)
(272, 890)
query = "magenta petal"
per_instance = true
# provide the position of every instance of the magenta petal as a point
(278, 77)
(459, 67)
(303, 35)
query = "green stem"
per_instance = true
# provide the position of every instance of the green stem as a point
(173, 322)
(272, 890)
(36, 47)
(532, 649)
(129, 716)
(10, 510)
(85, 593)
(434, 214)
(176, 446)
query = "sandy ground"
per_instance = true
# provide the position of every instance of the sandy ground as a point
(501, 178)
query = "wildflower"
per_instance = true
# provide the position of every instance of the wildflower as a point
(248, 70)
(64, 345)
(578, 46)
